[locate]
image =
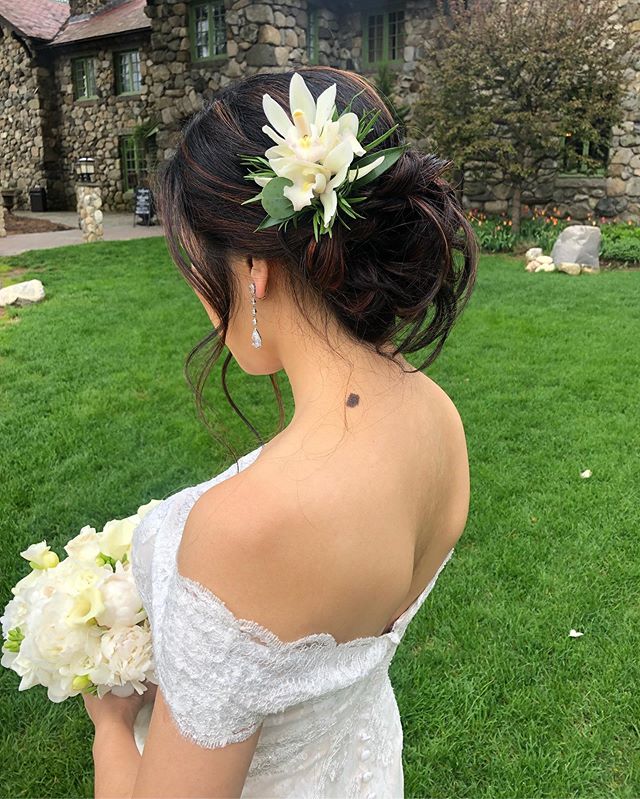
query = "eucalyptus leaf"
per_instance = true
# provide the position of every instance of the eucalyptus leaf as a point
(273, 200)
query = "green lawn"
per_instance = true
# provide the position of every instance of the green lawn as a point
(496, 699)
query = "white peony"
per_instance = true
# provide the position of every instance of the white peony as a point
(312, 150)
(128, 652)
(121, 600)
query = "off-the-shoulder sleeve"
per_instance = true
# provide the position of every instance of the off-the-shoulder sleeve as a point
(222, 676)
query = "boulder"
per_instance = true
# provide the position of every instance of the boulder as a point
(578, 244)
(569, 268)
(532, 253)
(22, 293)
(545, 267)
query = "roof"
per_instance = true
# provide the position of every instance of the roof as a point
(118, 17)
(38, 19)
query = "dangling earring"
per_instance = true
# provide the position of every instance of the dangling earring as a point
(256, 340)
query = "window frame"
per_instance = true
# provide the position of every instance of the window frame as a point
(117, 58)
(313, 37)
(385, 11)
(84, 59)
(209, 4)
(125, 141)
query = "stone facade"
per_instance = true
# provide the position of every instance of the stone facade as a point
(95, 127)
(25, 98)
(260, 36)
(44, 129)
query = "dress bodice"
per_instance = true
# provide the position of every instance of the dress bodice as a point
(330, 722)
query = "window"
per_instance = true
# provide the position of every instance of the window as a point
(138, 157)
(84, 78)
(127, 65)
(131, 161)
(383, 36)
(574, 152)
(208, 30)
(312, 34)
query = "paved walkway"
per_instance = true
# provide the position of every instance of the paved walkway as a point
(117, 227)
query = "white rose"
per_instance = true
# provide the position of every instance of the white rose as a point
(85, 546)
(115, 539)
(144, 509)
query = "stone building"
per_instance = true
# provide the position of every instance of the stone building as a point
(114, 80)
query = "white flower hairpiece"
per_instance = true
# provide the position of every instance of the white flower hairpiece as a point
(319, 158)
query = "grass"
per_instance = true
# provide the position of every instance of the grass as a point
(496, 699)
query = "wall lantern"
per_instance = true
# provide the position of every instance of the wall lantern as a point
(85, 168)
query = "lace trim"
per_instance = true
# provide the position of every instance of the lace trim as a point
(266, 636)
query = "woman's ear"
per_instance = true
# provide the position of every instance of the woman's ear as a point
(259, 273)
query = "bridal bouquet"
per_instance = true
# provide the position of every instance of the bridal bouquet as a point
(78, 625)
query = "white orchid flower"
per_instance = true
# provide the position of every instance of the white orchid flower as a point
(311, 149)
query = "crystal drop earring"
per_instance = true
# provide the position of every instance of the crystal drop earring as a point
(256, 340)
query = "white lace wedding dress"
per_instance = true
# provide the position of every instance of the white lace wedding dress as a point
(331, 726)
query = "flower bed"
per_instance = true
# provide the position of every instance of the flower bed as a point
(620, 245)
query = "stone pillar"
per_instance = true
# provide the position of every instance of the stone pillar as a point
(89, 197)
(3, 231)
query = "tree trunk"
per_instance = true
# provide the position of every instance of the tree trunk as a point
(516, 209)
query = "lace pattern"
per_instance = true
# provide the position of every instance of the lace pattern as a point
(222, 676)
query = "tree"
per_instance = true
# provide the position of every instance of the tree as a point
(506, 81)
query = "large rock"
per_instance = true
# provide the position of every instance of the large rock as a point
(569, 268)
(22, 293)
(578, 244)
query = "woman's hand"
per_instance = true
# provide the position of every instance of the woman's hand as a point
(118, 709)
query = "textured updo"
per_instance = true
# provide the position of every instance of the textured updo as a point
(392, 278)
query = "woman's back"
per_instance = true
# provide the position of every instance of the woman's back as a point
(379, 507)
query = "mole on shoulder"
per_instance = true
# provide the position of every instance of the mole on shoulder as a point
(353, 400)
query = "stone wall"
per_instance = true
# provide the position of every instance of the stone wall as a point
(418, 21)
(92, 127)
(21, 141)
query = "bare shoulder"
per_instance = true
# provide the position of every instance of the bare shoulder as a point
(246, 540)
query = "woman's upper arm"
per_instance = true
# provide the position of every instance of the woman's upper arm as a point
(174, 766)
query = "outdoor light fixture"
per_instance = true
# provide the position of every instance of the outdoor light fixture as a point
(85, 168)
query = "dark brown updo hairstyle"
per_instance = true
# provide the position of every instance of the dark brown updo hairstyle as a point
(389, 279)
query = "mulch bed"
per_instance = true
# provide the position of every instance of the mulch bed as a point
(24, 224)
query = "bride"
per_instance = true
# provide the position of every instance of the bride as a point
(279, 590)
